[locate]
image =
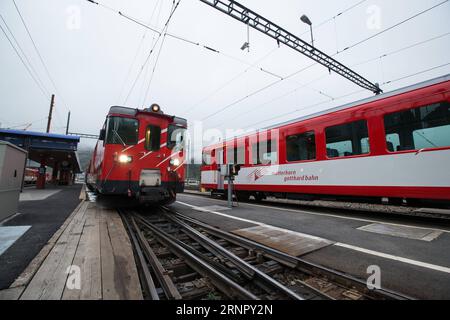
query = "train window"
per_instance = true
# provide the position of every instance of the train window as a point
(207, 160)
(420, 128)
(153, 138)
(351, 139)
(219, 156)
(236, 155)
(122, 131)
(301, 147)
(176, 137)
(265, 152)
(393, 141)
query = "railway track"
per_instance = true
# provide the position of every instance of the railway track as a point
(182, 258)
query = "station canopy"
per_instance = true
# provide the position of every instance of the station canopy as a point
(54, 148)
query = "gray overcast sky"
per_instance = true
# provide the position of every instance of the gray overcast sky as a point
(89, 51)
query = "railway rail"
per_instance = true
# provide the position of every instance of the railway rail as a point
(182, 258)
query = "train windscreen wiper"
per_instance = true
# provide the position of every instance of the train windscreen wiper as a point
(120, 138)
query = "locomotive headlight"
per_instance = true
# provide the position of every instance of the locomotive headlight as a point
(175, 162)
(123, 158)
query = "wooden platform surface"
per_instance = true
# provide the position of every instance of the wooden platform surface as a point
(91, 259)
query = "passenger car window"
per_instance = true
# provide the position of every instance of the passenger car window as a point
(350, 139)
(419, 128)
(207, 158)
(236, 155)
(265, 152)
(301, 147)
(153, 138)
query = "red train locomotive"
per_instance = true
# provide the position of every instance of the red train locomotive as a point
(395, 146)
(140, 154)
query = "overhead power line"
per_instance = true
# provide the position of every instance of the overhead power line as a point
(263, 25)
(357, 64)
(24, 64)
(336, 16)
(174, 8)
(180, 38)
(39, 54)
(160, 50)
(395, 25)
(347, 95)
(314, 64)
(130, 69)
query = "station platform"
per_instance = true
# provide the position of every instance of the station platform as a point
(22, 236)
(76, 251)
(65, 246)
(410, 252)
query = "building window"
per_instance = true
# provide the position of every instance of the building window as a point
(426, 127)
(153, 138)
(301, 147)
(351, 139)
(265, 152)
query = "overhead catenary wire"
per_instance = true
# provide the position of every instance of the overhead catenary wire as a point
(180, 38)
(160, 50)
(290, 76)
(335, 16)
(25, 56)
(314, 64)
(39, 55)
(130, 69)
(228, 82)
(174, 7)
(385, 55)
(24, 64)
(347, 95)
(394, 26)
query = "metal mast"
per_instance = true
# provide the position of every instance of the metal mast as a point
(247, 16)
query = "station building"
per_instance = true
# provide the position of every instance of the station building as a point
(49, 150)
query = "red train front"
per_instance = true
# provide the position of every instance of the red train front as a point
(140, 154)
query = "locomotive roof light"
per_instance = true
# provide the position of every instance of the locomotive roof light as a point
(155, 108)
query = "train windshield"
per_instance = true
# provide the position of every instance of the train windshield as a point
(122, 131)
(176, 137)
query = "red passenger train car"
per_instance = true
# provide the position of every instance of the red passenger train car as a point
(394, 146)
(140, 154)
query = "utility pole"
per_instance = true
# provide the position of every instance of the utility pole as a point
(52, 104)
(68, 122)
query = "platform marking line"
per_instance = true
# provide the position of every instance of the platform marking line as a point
(330, 215)
(9, 219)
(339, 244)
(401, 232)
(392, 257)
(253, 222)
(9, 235)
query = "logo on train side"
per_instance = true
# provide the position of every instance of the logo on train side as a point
(257, 174)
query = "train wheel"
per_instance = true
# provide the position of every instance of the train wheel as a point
(172, 198)
(259, 196)
(244, 197)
